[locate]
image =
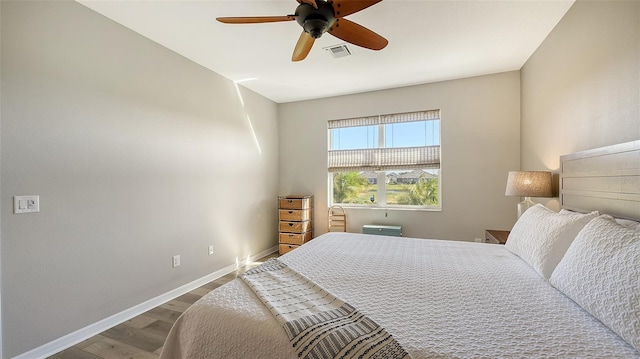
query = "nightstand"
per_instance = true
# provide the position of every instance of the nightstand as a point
(495, 236)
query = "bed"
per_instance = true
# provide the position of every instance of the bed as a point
(454, 299)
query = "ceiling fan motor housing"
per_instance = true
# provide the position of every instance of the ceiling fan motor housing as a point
(315, 21)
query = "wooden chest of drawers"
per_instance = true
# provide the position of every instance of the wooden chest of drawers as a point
(295, 215)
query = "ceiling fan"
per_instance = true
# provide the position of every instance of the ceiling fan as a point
(319, 16)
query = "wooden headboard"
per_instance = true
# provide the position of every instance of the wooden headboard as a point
(606, 179)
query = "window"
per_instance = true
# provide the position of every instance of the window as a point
(386, 161)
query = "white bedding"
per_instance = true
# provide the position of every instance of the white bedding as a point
(439, 299)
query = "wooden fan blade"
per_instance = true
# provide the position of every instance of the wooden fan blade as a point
(356, 34)
(305, 42)
(310, 2)
(254, 19)
(343, 8)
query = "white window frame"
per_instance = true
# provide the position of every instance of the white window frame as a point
(381, 178)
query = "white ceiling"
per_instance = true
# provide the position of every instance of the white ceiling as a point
(429, 41)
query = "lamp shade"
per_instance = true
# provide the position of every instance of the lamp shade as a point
(529, 184)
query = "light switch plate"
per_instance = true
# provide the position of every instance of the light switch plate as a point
(26, 204)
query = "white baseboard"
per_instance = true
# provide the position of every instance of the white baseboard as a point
(98, 327)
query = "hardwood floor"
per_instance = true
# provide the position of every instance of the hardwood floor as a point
(142, 337)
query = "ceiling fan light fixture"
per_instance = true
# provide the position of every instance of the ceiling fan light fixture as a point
(315, 27)
(315, 21)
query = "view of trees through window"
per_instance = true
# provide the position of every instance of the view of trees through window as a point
(411, 187)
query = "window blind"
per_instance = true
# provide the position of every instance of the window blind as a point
(385, 119)
(384, 159)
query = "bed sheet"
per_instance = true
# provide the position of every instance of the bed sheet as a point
(439, 299)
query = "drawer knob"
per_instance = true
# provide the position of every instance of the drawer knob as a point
(290, 212)
(290, 224)
(290, 201)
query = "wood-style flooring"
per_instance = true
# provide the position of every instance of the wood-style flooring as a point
(142, 337)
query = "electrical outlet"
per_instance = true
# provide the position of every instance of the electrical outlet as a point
(211, 250)
(26, 204)
(479, 240)
(176, 261)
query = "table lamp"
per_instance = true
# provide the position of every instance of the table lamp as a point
(528, 184)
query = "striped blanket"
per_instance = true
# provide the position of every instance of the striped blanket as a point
(318, 324)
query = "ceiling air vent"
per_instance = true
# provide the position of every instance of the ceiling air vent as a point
(339, 50)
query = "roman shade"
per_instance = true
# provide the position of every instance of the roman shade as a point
(383, 159)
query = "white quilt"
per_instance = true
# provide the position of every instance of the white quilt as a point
(318, 324)
(439, 299)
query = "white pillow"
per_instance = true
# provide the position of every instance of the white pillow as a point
(628, 223)
(541, 236)
(601, 272)
(569, 212)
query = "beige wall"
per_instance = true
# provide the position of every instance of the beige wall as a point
(480, 144)
(581, 88)
(137, 154)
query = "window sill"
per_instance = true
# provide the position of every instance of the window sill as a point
(390, 208)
